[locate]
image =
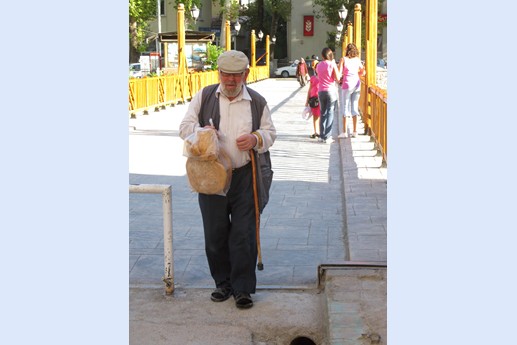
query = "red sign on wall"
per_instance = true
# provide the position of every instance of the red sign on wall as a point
(308, 25)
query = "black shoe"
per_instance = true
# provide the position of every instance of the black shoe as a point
(243, 300)
(221, 294)
(314, 136)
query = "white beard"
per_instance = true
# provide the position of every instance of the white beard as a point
(229, 93)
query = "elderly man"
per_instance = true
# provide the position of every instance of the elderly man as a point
(244, 125)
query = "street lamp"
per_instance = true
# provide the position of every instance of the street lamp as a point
(343, 12)
(194, 11)
(273, 39)
(342, 16)
(260, 35)
(237, 27)
(339, 27)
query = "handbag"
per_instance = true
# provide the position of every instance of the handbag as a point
(314, 102)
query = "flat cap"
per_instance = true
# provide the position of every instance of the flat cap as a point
(232, 61)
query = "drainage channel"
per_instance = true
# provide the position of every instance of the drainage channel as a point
(302, 341)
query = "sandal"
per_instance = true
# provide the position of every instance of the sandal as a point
(243, 300)
(221, 294)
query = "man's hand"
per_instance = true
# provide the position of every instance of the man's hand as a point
(246, 142)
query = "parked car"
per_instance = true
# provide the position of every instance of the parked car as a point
(287, 71)
(135, 70)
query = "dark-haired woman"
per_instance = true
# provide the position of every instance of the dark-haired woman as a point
(328, 75)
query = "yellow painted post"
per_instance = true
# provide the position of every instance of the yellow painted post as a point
(267, 53)
(182, 58)
(371, 53)
(371, 57)
(349, 33)
(357, 26)
(253, 39)
(228, 36)
(343, 47)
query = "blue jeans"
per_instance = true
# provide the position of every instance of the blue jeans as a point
(351, 101)
(328, 102)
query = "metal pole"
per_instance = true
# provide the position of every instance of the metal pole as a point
(182, 59)
(253, 62)
(267, 53)
(228, 33)
(371, 59)
(168, 257)
(349, 33)
(357, 27)
(158, 46)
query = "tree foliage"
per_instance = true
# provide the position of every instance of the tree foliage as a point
(275, 12)
(328, 11)
(140, 13)
(213, 53)
(188, 5)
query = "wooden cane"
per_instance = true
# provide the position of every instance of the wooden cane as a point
(260, 266)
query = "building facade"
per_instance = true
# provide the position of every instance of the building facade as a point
(306, 35)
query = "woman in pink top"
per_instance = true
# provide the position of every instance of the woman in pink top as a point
(313, 92)
(351, 68)
(328, 75)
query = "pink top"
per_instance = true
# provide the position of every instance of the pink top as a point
(351, 73)
(325, 75)
(313, 92)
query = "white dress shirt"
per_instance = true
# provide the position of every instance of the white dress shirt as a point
(236, 120)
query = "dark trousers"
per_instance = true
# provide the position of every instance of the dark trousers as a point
(230, 234)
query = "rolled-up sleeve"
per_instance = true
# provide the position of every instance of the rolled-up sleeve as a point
(190, 122)
(267, 131)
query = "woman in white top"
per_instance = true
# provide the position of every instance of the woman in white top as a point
(351, 68)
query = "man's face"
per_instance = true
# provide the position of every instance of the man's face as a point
(231, 83)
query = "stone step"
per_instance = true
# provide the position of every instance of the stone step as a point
(362, 145)
(365, 153)
(369, 162)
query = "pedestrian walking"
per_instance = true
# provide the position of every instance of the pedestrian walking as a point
(351, 69)
(313, 102)
(328, 75)
(301, 72)
(244, 126)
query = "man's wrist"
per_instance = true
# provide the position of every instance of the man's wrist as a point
(259, 142)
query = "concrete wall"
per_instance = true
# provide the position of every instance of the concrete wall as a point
(301, 46)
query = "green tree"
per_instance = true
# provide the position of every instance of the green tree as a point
(140, 13)
(274, 13)
(328, 11)
(188, 5)
(213, 53)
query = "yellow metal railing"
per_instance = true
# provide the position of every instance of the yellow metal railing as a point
(373, 105)
(152, 92)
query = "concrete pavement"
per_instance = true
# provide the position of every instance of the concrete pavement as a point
(327, 205)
